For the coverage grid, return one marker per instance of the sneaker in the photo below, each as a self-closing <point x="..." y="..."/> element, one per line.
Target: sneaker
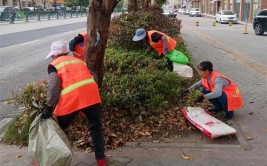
<point x="229" y="115"/>
<point x="214" y="110"/>
<point x="102" y="162"/>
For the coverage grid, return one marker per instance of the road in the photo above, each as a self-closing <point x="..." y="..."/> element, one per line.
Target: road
<point x="22" y="60"/>
<point x="26" y="36"/>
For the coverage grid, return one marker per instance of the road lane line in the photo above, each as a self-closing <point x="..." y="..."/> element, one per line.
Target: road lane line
<point x="28" y="42"/>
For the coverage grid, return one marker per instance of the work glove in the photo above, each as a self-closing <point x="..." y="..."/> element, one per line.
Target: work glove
<point x="166" y="51"/>
<point x="199" y="99"/>
<point x="47" y="112"/>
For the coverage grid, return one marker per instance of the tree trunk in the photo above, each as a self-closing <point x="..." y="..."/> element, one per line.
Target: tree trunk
<point x="98" y="21"/>
<point x="132" y="6"/>
<point x="145" y="4"/>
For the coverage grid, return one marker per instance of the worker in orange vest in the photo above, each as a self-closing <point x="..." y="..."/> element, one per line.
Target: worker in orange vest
<point x="218" y="90"/>
<point x="72" y="89"/>
<point x="159" y="41"/>
<point x="78" y="43"/>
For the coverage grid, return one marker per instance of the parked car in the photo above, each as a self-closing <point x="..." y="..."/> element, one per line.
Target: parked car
<point x="167" y="12"/>
<point x="5" y="12"/>
<point x="195" y="12"/>
<point x="226" y="16"/>
<point x="260" y="22"/>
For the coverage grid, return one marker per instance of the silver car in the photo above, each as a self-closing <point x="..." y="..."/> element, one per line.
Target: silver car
<point x="226" y="16"/>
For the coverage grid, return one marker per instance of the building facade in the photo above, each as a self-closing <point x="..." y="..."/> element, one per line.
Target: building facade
<point x="245" y="9"/>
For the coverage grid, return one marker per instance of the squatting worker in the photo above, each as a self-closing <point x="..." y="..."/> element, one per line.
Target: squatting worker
<point x="72" y="89"/>
<point x="156" y="40"/>
<point x="78" y="43"/>
<point x="218" y="89"/>
<point x="159" y="41"/>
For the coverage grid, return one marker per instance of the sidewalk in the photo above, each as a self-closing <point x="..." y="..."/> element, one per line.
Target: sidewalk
<point x="159" y="154"/>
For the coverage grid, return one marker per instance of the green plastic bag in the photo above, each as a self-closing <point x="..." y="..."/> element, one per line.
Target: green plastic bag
<point x="178" y="57"/>
<point x="48" y="144"/>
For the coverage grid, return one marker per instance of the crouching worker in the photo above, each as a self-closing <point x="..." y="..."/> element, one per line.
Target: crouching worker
<point x="78" y="43"/>
<point x="218" y="89"/>
<point x="72" y="89"/>
<point x="156" y="40"/>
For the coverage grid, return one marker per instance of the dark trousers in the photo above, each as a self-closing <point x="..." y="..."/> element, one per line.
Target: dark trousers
<point x="94" y="124"/>
<point x="220" y="103"/>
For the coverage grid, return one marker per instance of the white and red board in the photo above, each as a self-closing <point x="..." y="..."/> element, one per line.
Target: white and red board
<point x="208" y="124"/>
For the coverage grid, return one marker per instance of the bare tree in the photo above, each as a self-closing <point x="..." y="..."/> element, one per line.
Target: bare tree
<point x="98" y="22"/>
<point x="44" y="3"/>
<point x="132" y="6"/>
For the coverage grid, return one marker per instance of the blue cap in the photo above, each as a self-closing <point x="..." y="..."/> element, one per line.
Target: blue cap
<point x="139" y="34"/>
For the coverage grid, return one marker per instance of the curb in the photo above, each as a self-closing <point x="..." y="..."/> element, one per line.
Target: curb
<point x="180" y="145"/>
<point x="4" y="123"/>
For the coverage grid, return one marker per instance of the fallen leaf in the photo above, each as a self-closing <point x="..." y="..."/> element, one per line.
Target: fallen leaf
<point x="186" y="157"/>
<point x="88" y="150"/>
<point x="155" y="141"/>
<point x="148" y="133"/>
<point x="251" y="113"/>
<point x="19" y="156"/>
<point x="249" y="138"/>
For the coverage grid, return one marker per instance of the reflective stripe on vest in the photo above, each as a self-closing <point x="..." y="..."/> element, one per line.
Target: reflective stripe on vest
<point x="60" y="65"/>
<point x="76" y="85"/>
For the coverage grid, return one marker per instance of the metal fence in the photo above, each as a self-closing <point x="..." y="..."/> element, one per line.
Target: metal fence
<point x="38" y="16"/>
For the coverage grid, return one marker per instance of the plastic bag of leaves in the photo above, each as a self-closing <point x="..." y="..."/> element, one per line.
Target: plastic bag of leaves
<point x="48" y="144"/>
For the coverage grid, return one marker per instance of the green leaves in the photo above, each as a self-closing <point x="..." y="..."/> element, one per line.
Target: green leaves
<point x="135" y="82"/>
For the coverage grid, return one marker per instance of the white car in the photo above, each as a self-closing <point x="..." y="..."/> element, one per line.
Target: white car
<point x="166" y="12"/>
<point x="195" y="12"/>
<point x="226" y="16"/>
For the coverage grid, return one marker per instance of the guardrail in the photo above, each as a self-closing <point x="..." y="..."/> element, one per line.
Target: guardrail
<point x="38" y="16"/>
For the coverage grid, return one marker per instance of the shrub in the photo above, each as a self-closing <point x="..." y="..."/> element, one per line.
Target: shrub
<point x="31" y="99"/>
<point x="122" y="28"/>
<point x="137" y="83"/>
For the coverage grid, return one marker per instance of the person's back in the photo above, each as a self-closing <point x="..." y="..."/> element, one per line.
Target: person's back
<point x="76" y="83"/>
<point x="78" y="44"/>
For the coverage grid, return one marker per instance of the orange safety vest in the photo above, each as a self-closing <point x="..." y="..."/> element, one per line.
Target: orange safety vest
<point x="78" y="87"/>
<point x="79" y="50"/>
<point x="234" y="99"/>
<point x="159" y="45"/>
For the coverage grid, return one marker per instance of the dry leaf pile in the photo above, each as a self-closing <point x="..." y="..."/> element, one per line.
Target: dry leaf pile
<point x="118" y="129"/>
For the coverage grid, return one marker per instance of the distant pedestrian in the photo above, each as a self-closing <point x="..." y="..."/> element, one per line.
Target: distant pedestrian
<point x="72" y="89"/>
<point x="218" y="90"/>
<point x="12" y="18"/>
